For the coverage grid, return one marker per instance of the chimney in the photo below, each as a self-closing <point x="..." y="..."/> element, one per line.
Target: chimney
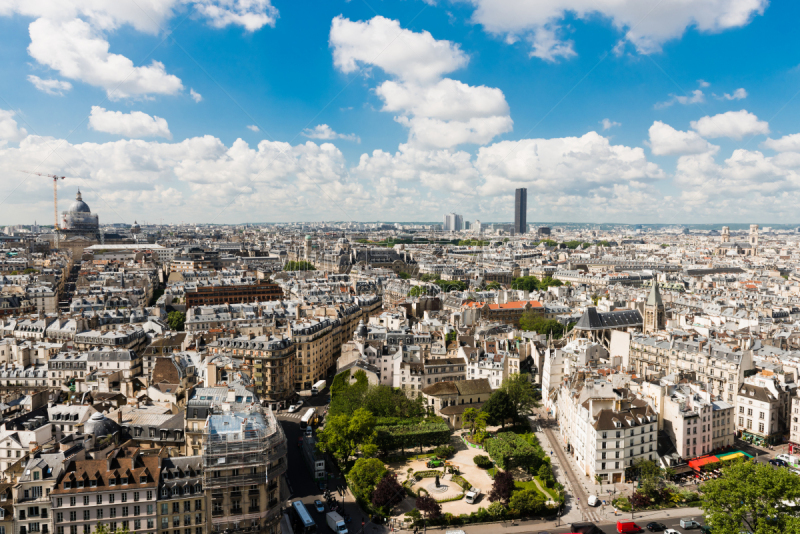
<point x="33" y="446"/>
<point x="119" y="416"/>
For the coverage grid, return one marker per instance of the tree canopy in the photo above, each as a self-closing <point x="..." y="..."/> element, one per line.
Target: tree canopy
<point x="176" y="320"/>
<point x="520" y="392"/>
<point x="365" y="476"/>
<point x="343" y="435"/>
<point x="752" y="496"/>
<point x="531" y="283"/>
<point x="533" y="322"/>
<point x="299" y="266"/>
<point x="502" y="487"/>
<point x="499" y="408"/>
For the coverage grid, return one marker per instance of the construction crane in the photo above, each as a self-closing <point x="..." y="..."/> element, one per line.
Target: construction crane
<point x="55" y="198"/>
<point x="55" y="192"/>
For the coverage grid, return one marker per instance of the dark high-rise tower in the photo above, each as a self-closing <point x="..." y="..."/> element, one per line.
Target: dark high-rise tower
<point x="521" y="211"/>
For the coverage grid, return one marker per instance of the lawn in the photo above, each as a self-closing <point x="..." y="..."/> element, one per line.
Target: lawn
<point x="549" y="493"/>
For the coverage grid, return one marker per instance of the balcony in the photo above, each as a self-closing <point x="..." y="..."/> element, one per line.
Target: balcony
<point x="217" y="513"/>
<point x="254" y="509"/>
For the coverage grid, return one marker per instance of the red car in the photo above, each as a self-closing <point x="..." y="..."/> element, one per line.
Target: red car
<point x="626" y="527"/>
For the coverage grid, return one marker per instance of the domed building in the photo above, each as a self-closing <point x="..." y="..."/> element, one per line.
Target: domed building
<point x="100" y="426"/>
<point x="79" y="220"/>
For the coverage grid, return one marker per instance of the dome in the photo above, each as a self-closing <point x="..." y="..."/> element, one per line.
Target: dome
<point x="100" y="426"/>
<point x="79" y="206"/>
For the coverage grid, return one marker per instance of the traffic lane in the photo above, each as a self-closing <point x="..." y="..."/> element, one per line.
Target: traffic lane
<point x="611" y="528"/>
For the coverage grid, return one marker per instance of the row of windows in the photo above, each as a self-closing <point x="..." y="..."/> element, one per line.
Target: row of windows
<point x="100" y="513"/>
<point x="73" y="501"/>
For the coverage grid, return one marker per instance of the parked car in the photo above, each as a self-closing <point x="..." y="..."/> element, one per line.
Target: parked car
<point x="689" y="523"/>
<point x="778" y="462"/>
<point x="671" y="531"/>
<point x="628" y="527"/>
<point x="435" y="463"/>
<point x="294" y="407"/>
<point x="654" y="526"/>
<point x="319" y="506"/>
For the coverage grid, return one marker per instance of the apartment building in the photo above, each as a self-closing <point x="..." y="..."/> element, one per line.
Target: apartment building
<point x="244" y="458"/>
<point x="721" y="366"/>
<point x="687" y="421"/>
<point x="118" y="490"/>
<point x="315" y="350"/>
<point x="181" y="507"/>
<point x="759" y="405"/>
<point x="794" y="426"/>
<point x="488" y="365"/>
<point x="271" y="359"/>
<point x="32" y="505"/>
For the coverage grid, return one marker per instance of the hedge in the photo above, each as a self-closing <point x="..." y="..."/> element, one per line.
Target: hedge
<point x="482" y="461"/>
<point x="512" y="450"/>
<point x="461" y="481"/>
<point x="431" y="432"/>
<point x="450" y="499"/>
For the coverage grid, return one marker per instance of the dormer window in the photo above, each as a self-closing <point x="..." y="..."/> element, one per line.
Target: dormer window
<point x="143" y="480"/>
<point x="67" y="485"/>
<point x="164" y="492"/>
<point x="112" y="481"/>
<point x="80" y="483"/>
<point x="93" y="483"/>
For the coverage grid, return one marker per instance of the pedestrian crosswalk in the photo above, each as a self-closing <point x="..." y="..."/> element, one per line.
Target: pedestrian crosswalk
<point x="286" y="415"/>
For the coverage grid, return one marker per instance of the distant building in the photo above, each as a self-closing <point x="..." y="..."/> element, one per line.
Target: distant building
<point x="233" y="294"/>
<point x="543" y="231"/>
<point x="453" y="222"/>
<point x="521" y="211"/>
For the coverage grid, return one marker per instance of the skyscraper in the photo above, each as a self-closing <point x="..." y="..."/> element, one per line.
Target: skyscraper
<point x="453" y="222"/>
<point x="521" y="211"/>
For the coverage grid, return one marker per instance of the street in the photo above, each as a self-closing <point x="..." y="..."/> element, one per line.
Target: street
<point x="301" y="483"/>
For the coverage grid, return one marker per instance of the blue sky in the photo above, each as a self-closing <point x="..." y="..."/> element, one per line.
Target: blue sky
<point x="256" y="110"/>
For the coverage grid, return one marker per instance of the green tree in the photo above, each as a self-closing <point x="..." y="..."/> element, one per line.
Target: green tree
<point x="343" y="436"/>
<point x="751" y="496"/>
<point x="469" y="418"/>
<point x="176" y="320"/>
<point x="299" y="266"/>
<point x="493" y="286"/>
<point x="496" y="509"/>
<point x="520" y="392"/>
<point x="527" y="502"/>
<point x="346" y="398"/>
<point x="525" y="283"/>
<point x="651" y="477"/>
<point x="499" y="408"/>
<point x="404" y="275"/>
<point x="364" y="476"/>
<point x="533" y="322"/>
<point x="481" y="420"/>
<point x="502" y="487"/>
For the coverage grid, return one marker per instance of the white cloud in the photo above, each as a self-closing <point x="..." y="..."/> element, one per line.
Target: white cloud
<point x="438" y="112"/>
<point x="50" y="86"/>
<point x="150" y="17"/>
<point x="251" y="15"/>
<point x="192" y="180"/>
<point x="733" y="124"/>
<point x="448" y="99"/>
<point x="253" y="128"/>
<point x="667" y="141"/>
<point x="134" y="124"/>
<point x="9" y="131"/>
<point x="78" y="52"/>
<point x="382" y="43"/>
<point x="571" y="164"/>
<point x="703" y="83"/>
<point x="787" y="143"/>
<point x="70" y="36"/>
<point x="738" y="94"/>
<point x="437" y="133"/>
<point x="695" y="97"/>
<point x="648" y="25"/>
<point x="547" y="46"/>
<point x="608" y="124"/>
<point x="197" y="97"/>
<point x="325" y="132"/>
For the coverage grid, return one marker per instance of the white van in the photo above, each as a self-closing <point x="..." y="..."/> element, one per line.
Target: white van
<point x="689" y="523"/>
<point x="593" y="500"/>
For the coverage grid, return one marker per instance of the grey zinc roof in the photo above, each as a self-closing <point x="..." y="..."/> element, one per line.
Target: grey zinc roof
<point x="594" y="320"/>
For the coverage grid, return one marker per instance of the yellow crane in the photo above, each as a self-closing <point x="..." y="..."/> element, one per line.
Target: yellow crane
<point x="55" y="178"/>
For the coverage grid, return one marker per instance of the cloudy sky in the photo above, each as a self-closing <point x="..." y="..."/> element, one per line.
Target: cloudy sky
<point x="651" y="111"/>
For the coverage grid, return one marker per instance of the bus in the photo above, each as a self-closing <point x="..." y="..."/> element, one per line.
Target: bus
<point x="306" y="420"/>
<point x="302" y="522"/>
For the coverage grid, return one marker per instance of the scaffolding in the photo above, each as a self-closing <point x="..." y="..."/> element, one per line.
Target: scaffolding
<point x="238" y="447"/>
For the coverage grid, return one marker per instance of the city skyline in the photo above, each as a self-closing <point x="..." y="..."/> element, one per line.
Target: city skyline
<point x="419" y="109"/>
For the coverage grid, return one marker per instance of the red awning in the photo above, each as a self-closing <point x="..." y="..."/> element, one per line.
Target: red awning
<point x="699" y="462"/>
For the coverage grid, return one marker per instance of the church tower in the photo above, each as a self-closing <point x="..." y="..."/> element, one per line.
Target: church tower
<point x="754" y="239"/>
<point x="726" y="234"/>
<point x="654" y="314"/>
